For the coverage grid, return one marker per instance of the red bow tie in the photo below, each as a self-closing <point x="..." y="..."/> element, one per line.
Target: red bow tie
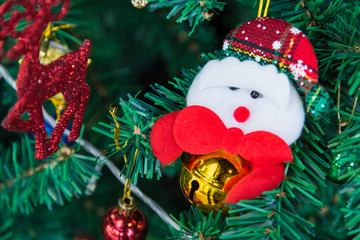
<point x="198" y="130"/>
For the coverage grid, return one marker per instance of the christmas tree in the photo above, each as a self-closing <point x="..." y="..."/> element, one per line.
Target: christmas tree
<point x="137" y="49"/>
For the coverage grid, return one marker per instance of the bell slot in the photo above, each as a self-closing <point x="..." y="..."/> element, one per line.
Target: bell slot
<point x="194" y="187"/>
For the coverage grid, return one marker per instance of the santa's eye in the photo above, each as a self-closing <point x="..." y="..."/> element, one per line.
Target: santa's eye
<point x="255" y="94"/>
<point x="233" y="88"/>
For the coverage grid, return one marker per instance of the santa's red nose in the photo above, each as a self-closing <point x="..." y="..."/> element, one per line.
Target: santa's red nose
<point x="241" y="114"/>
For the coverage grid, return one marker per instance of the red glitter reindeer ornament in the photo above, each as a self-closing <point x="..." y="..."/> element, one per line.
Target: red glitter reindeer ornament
<point x="37" y="82"/>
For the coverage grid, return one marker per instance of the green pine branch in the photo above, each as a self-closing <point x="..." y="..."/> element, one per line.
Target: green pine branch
<point x="197" y="225"/>
<point x="276" y="215"/>
<point x="133" y="144"/>
<point x="26" y="183"/>
<point x="299" y="187"/>
<point x="56" y="224"/>
<point x="192" y="11"/>
<point x="137" y="113"/>
<point x="351" y="210"/>
<point x="331" y="25"/>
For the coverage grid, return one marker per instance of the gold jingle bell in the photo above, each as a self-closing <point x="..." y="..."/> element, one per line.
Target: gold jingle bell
<point x="139" y="3"/>
<point x="50" y="51"/>
<point x="206" y="179"/>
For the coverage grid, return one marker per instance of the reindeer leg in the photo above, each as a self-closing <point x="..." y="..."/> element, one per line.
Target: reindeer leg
<point x="41" y="140"/>
<point x="41" y="144"/>
<point x="262" y="178"/>
<point x="79" y="114"/>
<point x="60" y="127"/>
<point x="13" y="122"/>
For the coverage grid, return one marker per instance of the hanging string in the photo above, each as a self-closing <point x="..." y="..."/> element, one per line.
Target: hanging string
<point x="266" y="8"/>
<point x="127" y="185"/>
<point x="49" y="29"/>
<point x="341" y="122"/>
<point x="260" y="8"/>
<point x="113" y="112"/>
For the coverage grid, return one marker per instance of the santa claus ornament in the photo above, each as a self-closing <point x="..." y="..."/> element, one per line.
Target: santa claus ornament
<point x="243" y="112"/>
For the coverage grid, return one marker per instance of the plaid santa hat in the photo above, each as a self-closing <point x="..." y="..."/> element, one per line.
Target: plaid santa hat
<point x="274" y="41"/>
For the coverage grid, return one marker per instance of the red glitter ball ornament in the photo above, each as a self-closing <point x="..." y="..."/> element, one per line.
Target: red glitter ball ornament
<point x="117" y="226"/>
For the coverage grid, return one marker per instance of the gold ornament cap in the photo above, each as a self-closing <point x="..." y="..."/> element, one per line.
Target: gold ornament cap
<point x="126" y="205"/>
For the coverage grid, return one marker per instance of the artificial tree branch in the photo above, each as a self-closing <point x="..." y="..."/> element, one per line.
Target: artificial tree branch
<point x="102" y="160"/>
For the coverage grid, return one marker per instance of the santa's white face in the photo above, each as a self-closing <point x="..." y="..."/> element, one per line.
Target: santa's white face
<point x="249" y="96"/>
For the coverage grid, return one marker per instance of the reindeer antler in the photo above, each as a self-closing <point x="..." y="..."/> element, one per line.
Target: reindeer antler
<point x="39" y="12"/>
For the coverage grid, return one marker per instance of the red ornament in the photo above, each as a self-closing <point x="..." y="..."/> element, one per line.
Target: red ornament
<point x="36" y="11"/>
<point x="117" y="226"/>
<point x="36" y="83"/>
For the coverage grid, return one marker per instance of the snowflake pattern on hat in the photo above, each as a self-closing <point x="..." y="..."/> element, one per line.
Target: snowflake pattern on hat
<point x="276" y="45"/>
<point x="298" y="70"/>
<point x="273" y="41"/>
<point x="294" y="30"/>
<point x="225" y="45"/>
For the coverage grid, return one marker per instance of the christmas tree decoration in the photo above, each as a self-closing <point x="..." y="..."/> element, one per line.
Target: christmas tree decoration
<point x="205" y="11"/>
<point x="116" y="129"/>
<point x="343" y="123"/>
<point x="276" y="42"/>
<point x="124" y="222"/>
<point x="245" y="104"/>
<point x="39" y="12"/>
<point x="206" y="179"/>
<point x="340" y="169"/>
<point x="50" y="51"/>
<point x="270" y="140"/>
<point x="139" y="3"/>
<point x="338" y="173"/>
<point x="59" y="103"/>
<point x="193" y="11"/>
<point x="38" y="82"/>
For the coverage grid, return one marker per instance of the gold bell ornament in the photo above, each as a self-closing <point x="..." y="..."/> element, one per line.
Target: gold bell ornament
<point x="139" y="3"/>
<point x="206" y="179"/>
